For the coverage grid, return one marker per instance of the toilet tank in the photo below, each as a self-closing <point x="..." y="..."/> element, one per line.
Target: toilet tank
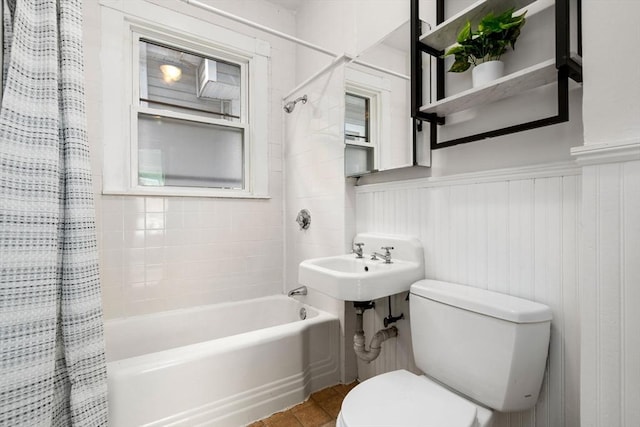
<point x="488" y="346"/>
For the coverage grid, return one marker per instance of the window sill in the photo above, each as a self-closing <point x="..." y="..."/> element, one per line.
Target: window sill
<point x="186" y="192"/>
<point x="359" y="144"/>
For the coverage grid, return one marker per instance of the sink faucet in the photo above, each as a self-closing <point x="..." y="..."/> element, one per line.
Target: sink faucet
<point x="358" y="249"/>
<point x="386" y="256"/>
<point x="302" y="290"/>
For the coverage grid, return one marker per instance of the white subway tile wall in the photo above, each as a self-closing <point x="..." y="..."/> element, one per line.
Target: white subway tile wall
<point x="163" y="253"/>
<point x="159" y="253"/>
<point x="315" y="173"/>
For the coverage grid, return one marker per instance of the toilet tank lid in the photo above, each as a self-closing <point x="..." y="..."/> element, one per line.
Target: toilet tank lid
<point x="482" y="301"/>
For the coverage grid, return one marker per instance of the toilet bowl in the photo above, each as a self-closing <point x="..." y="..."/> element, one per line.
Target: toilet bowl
<point x="480" y="351"/>
<point x="400" y="398"/>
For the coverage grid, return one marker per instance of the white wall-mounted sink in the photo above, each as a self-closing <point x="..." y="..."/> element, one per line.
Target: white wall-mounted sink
<point x="348" y="278"/>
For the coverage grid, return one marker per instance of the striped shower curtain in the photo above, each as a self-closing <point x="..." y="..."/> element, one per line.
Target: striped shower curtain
<point x="52" y="364"/>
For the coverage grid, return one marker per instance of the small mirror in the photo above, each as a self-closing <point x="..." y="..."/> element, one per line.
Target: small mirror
<point x="378" y="124"/>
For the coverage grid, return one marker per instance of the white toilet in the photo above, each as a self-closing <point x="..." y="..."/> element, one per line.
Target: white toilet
<point x="480" y="351"/>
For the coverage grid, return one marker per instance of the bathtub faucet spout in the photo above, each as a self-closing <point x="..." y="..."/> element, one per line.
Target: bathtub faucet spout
<point x="302" y="290"/>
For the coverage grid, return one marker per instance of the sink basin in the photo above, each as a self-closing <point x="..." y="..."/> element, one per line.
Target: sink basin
<point x="348" y="278"/>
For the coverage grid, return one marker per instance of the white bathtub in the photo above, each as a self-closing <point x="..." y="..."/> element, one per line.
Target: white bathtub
<point x="218" y="365"/>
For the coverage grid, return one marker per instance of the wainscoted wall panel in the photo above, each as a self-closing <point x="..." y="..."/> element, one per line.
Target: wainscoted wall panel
<point x="610" y="294"/>
<point x="515" y="234"/>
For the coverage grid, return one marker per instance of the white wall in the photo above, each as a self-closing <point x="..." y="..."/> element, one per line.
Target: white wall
<point x="515" y="232"/>
<point x="314" y="173"/>
<point x="610" y="204"/>
<point x="314" y="159"/>
<point x="314" y="150"/>
<point x="159" y="253"/>
<point x="610" y="272"/>
<point x="612" y="92"/>
<point x="541" y="146"/>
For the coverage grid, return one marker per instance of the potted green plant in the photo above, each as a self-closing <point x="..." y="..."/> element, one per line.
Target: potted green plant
<point x="483" y="47"/>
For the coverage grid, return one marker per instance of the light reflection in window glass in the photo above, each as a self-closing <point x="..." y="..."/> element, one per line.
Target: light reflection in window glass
<point x="176" y="80"/>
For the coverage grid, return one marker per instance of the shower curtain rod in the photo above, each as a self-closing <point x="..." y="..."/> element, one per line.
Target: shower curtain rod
<point x="317" y="74"/>
<point x="337" y="57"/>
<point x="346" y="58"/>
<point x="384" y="70"/>
<point x="261" y="27"/>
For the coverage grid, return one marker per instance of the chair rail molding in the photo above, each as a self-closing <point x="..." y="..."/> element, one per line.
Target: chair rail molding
<point x="607" y="152"/>
<point x="567" y="168"/>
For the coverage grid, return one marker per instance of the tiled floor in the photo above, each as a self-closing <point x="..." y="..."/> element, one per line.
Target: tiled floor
<point x="320" y="410"/>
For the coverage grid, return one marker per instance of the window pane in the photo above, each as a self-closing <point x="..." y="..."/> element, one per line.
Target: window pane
<point x="357" y="160"/>
<point x="182" y="153"/>
<point x="356" y="124"/>
<point x="175" y="80"/>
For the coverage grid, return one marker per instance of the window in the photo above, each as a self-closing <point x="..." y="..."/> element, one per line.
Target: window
<point x="359" y="150"/>
<point x="356" y="123"/>
<point x="190" y="119"/>
<point x="195" y="128"/>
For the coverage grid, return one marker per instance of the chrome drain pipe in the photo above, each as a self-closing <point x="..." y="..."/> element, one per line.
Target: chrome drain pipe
<point x="379" y="337"/>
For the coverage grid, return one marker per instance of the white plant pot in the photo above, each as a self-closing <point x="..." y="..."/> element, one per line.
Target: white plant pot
<point x="487" y="72"/>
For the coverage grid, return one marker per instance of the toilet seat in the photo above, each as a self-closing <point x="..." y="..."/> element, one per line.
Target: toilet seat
<point x="400" y="398"/>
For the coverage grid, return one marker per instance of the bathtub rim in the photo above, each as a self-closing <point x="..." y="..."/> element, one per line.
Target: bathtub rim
<point x="178" y="355"/>
<point x="204" y="307"/>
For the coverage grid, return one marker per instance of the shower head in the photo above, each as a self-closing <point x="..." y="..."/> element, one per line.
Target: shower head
<point x="289" y="106"/>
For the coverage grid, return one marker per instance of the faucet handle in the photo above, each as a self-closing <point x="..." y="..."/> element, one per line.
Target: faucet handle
<point x="387" y="249"/>
<point x="358" y="249"/>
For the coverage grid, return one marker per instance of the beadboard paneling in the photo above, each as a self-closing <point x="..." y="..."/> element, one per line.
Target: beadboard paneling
<point x="610" y="295"/>
<point x="512" y="235"/>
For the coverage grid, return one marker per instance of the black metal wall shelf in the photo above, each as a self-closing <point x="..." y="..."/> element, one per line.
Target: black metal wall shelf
<point x="445" y="33"/>
<point x="557" y="70"/>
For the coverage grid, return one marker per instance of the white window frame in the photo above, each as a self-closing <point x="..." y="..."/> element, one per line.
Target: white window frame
<point x="130" y="21"/>
<point x="377" y="89"/>
<point x="372" y="108"/>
